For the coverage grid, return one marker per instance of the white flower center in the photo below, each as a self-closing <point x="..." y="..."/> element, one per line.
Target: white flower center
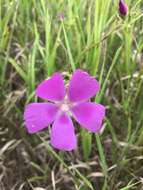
<point x="65" y="107"/>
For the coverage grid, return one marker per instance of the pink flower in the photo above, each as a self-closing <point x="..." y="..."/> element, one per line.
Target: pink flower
<point x="64" y="103"/>
<point x="123" y="8"/>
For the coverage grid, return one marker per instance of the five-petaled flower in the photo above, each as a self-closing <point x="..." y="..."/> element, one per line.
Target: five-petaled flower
<point x="123" y="8"/>
<point x="65" y="102"/>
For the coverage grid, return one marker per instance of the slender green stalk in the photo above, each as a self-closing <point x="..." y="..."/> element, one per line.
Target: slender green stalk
<point x="68" y="49"/>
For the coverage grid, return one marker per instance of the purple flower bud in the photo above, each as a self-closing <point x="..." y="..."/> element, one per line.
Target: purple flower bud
<point x="123" y="8"/>
<point x="61" y="16"/>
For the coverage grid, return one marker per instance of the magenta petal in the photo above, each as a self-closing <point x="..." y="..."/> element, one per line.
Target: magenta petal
<point x="52" y="89"/>
<point x="89" y="115"/>
<point x="82" y="86"/>
<point x="62" y="134"/>
<point x="37" y="116"/>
